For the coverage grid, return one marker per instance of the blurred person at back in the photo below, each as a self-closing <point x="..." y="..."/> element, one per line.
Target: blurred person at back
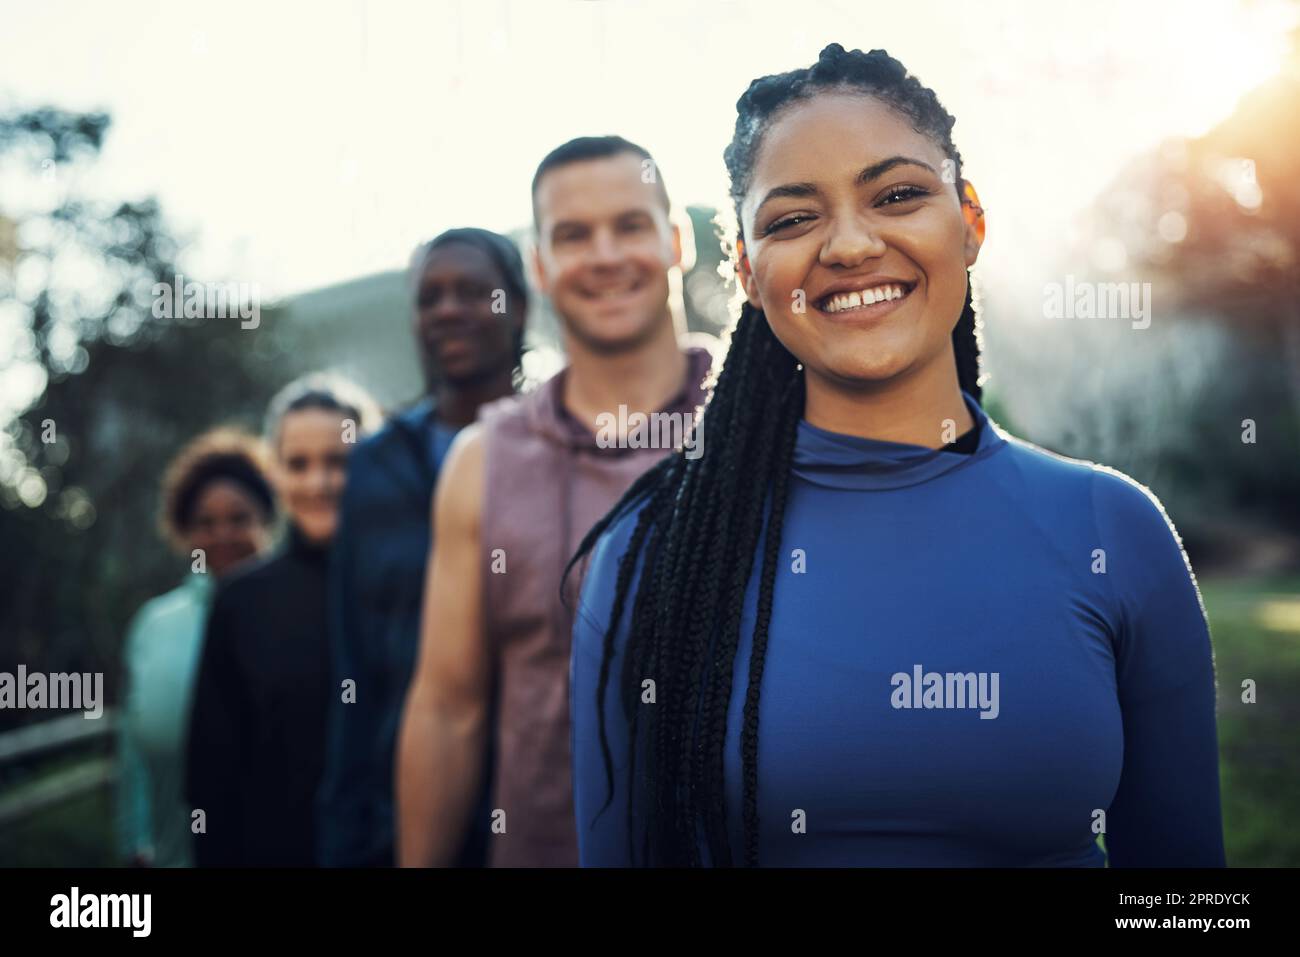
<point x="470" y="303"/>
<point x="217" y="510"/>
<point x="257" y="735"/>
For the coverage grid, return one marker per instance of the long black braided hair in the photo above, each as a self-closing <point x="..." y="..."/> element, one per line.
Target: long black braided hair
<point x="703" y="519"/>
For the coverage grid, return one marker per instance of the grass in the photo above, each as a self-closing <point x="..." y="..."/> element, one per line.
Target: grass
<point x="75" y="833"/>
<point x="1255" y="626"/>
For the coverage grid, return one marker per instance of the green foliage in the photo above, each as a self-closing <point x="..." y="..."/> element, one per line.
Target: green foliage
<point x="123" y="390"/>
<point x="1258" y="759"/>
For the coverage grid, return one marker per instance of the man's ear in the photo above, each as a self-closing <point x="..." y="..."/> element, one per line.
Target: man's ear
<point x="539" y="271"/>
<point x="745" y="275"/>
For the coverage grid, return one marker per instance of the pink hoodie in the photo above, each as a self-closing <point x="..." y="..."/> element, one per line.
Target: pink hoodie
<point x="548" y="481"/>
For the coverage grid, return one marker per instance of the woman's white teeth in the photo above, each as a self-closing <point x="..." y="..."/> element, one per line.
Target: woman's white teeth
<point x="867" y="297"/>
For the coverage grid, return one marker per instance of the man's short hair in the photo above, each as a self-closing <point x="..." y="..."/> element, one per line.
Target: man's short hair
<point x="589" y="148"/>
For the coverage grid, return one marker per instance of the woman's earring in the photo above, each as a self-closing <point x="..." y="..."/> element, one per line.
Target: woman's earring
<point x="972" y="210"/>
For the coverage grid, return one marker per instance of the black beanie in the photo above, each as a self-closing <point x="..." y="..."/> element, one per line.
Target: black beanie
<point x="501" y="250"/>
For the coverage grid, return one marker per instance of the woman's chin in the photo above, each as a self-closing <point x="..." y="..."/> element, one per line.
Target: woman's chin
<point x="316" y="532"/>
<point x="857" y="372"/>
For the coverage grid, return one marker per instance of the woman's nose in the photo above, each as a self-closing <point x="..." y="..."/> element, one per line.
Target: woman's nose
<point x="850" y="242"/>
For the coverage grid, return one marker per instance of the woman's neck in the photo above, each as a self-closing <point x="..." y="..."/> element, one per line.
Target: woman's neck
<point x="303" y="544"/>
<point x="922" y="407"/>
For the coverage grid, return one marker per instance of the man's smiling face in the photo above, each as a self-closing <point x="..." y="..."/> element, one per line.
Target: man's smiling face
<point x="604" y="249"/>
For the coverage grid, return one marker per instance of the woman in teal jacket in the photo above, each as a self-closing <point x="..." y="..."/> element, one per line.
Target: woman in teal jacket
<point x="217" y="509"/>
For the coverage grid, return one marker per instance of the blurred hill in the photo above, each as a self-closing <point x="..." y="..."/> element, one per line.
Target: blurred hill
<point x="360" y="328"/>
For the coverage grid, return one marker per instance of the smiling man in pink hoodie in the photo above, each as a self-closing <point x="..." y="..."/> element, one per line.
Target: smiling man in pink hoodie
<point x="519" y="491"/>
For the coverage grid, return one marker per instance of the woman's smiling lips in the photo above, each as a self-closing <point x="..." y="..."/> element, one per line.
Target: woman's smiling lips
<point x="870" y="301"/>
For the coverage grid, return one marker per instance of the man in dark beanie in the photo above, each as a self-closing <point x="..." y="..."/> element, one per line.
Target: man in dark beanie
<point x="470" y="302"/>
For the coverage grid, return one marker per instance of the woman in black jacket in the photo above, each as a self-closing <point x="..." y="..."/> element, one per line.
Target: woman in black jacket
<point x="257" y="731"/>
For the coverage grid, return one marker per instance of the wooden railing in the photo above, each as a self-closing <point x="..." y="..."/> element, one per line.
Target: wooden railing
<point x="37" y="743"/>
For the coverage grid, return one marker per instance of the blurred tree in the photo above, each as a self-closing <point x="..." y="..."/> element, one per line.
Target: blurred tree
<point x="1223" y="239"/>
<point x="1234" y="240"/>
<point x="1213" y="224"/>
<point x="96" y="395"/>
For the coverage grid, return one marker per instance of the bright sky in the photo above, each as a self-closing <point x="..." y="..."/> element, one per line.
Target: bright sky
<point x="302" y="144"/>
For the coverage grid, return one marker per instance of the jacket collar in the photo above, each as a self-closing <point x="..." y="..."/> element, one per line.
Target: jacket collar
<point x="834" y="460"/>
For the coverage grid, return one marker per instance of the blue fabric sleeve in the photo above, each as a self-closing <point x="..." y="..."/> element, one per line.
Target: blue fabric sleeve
<point x="602" y="834"/>
<point x="345" y="810"/>
<point x="1166" y="811"/>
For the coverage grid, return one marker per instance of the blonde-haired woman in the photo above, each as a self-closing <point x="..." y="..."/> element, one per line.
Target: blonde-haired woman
<point x="257" y="736"/>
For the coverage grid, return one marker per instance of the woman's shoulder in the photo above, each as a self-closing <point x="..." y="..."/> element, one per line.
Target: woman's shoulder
<point x="181" y="603"/>
<point x="1113" y="495"/>
<point x="614" y="539"/>
<point x="164" y="620"/>
<point x="600" y="582"/>
<point x="1143" y="549"/>
<point x="252" y="578"/>
<point x="1129" y="532"/>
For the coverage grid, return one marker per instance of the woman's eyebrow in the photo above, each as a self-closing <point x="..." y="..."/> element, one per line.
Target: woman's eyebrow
<point x="792" y="190"/>
<point x="874" y="171"/>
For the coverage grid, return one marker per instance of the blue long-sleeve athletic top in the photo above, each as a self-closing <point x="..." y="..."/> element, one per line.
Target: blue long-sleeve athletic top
<point x="974" y="660"/>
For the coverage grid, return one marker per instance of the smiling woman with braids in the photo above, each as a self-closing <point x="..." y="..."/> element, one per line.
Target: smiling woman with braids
<point x="868" y="627"/>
